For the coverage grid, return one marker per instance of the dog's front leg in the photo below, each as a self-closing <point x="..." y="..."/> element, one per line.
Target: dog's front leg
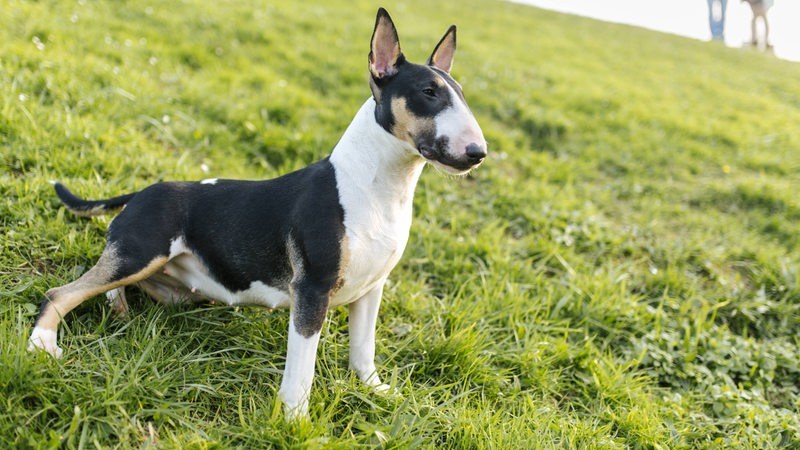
<point x="363" y="318"/>
<point x="306" y="317"/>
<point x="298" y="374"/>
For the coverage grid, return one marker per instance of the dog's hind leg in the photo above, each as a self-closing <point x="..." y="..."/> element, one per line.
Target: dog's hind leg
<point x="109" y="273"/>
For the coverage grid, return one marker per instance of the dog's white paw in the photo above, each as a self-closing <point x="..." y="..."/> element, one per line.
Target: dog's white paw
<point x="374" y="384"/>
<point x="295" y="404"/>
<point x="386" y="391"/>
<point x="44" y="339"/>
<point x="381" y="388"/>
<point x="295" y="413"/>
<point x="371" y="379"/>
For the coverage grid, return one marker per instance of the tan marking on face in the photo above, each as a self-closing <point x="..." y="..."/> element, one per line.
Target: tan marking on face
<point x="408" y="126"/>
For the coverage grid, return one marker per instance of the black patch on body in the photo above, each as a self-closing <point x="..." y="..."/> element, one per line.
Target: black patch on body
<point x="241" y="231"/>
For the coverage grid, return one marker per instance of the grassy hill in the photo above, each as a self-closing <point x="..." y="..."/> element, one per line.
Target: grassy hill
<point x="621" y="273"/>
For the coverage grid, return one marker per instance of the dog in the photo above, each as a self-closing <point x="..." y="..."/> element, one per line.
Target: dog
<point x="323" y="236"/>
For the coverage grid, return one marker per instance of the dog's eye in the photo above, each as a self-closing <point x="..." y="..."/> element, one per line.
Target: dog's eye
<point x="429" y="92"/>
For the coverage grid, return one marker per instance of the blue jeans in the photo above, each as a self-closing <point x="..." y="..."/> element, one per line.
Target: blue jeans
<point x="716" y="18"/>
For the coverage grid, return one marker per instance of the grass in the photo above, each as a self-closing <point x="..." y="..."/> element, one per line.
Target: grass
<point x="621" y="273"/>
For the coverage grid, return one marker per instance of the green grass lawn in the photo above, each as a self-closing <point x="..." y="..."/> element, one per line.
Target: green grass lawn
<point x="622" y="272"/>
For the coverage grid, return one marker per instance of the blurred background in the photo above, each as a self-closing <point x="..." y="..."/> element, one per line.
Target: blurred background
<point x="690" y="18"/>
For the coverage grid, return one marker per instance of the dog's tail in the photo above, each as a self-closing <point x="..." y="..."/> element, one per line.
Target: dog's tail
<point x="88" y="208"/>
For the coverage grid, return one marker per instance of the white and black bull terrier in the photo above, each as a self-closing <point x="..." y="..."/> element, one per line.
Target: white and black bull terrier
<point x="323" y="236"/>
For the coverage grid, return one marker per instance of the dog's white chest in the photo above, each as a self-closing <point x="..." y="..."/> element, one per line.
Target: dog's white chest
<point x="375" y="180"/>
<point x="377" y="224"/>
<point x="373" y="250"/>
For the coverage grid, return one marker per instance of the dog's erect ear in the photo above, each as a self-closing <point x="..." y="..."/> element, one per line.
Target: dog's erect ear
<point x="445" y="51"/>
<point x="384" y="52"/>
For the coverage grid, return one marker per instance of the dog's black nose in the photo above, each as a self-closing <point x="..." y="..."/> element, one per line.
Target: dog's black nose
<point x="476" y="152"/>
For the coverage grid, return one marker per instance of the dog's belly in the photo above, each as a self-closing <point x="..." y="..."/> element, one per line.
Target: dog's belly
<point x="187" y="269"/>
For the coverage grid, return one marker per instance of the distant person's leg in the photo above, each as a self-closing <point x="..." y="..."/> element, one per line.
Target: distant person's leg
<point x="716" y="19"/>
<point x="758" y="13"/>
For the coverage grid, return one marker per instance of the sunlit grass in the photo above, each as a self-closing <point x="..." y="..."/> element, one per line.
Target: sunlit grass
<point x="621" y="273"/>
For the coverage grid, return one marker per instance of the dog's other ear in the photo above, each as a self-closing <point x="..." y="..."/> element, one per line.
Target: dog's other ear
<point x="384" y="55"/>
<point x="445" y="51"/>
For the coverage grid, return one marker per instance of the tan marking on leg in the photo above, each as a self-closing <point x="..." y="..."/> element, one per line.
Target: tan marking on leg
<point x="94" y="282"/>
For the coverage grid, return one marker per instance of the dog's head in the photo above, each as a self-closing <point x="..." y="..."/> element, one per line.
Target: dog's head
<point x="421" y="104"/>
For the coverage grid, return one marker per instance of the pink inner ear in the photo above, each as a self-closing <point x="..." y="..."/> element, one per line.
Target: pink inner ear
<point x="444" y="53"/>
<point x="380" y="69"/>
<point x="385" y="51"/>
<point x="444" y="58"/>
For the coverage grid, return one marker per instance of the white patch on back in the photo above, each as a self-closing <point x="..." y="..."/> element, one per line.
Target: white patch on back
<point x="209" y="181"/>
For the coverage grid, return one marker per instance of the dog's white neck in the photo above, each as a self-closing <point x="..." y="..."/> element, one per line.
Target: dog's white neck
<point x="372" y="164"/>
<point x="376" y="175"/>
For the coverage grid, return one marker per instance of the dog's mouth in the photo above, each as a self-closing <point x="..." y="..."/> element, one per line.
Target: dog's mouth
<point x="436" y="153"/>
<point x="428" y="152"/>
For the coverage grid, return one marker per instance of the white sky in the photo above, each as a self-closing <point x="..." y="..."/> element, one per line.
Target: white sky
<point x="690" y="18"/>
